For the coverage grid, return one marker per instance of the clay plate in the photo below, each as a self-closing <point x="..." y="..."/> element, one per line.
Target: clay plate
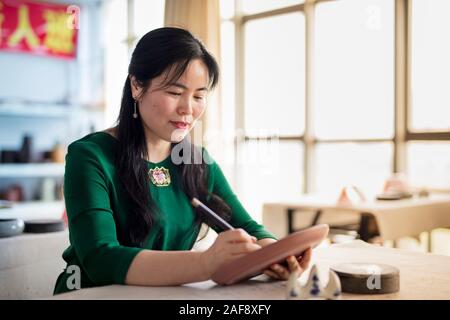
<point x="256" y="262"/>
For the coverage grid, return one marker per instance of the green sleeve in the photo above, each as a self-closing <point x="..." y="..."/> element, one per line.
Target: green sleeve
<point x="239" y="216"/>
<point x="91" y="223"/>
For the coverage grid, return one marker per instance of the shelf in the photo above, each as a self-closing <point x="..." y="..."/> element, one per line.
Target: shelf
<point x="31" y="170"/>
<point x="33" y="210"/>
<point x="21" y="110"/>
<point x="42" y="110"/>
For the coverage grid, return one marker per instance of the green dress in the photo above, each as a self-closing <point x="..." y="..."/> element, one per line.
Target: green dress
<point x="97" y="203"/>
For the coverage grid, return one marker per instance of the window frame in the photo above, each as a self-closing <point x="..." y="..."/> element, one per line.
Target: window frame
<point x="402" y="90"/>
<point x="414" y="135"/>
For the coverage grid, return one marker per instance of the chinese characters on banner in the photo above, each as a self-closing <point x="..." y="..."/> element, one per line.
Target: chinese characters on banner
<point x="38" y="28"/>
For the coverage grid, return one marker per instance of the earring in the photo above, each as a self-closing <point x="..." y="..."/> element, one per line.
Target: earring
<point x="135" y="110"/>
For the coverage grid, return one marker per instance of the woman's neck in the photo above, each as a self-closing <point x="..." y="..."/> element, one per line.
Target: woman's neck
<point x="158" y="149"/>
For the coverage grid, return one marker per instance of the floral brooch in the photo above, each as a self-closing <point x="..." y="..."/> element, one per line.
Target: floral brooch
<point x="159" y="176"/>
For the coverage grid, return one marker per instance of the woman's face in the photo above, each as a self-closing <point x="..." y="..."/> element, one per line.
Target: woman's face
<point x="170" y="113"/>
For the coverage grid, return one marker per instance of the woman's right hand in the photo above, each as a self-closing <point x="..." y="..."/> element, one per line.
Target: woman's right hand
<point x="228" y="246"/>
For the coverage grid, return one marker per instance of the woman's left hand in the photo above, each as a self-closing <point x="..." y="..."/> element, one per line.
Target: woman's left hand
<point x="280" y="272"/>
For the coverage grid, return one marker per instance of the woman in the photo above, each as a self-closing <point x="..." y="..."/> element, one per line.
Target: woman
<point x="127" y="194"/>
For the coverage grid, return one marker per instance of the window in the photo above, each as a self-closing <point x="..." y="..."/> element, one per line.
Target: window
<point x="227" y="77"/>
<point x="227" y="86"/>
<point x="255" y="6"/>
<point x="272" y="106"/>
<point x="146" y="16"/>
<point x="430" y="67"/>
<point x="353" y="95"/>
<point x="227" y="9"/>
<point x="351" y="136"/>
<point x="428" y="123"/>
<point x="274" y="75"/>
<point x="429" y="164"/>
<point x="354" y="69"/>
<point x="116" y="57"/>
<point x="365" y="165"/>
<point x="271" y="171"/>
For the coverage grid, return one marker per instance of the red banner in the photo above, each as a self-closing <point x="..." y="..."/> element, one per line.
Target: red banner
<point x="39" y="28"/>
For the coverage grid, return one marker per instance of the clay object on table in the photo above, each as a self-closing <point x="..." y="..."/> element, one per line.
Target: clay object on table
<point x="256" y="262"/>
<point x="314" y="288"/>
<point x="10" y="156"/>
<point x="11" y="227"/>
<point x="43" y="226"/>
<point x="26" y="150"/>
<point x="13" y="193"/>
<point x="351" y="195"/>
<point x="394" y="195"/>
<point x="58" y="153"/>
<point x="368" y="278"/>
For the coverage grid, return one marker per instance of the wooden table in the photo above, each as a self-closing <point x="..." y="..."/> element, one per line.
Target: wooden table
<point x="422" y="276"/>
<point x="395" y="218"/>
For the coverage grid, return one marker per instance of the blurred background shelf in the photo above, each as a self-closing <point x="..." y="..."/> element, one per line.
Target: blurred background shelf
<point x="31" y="170"/>
<point x="34" y="210"/>
<point x="25" y="110"/>
<point x="44" y="110"/>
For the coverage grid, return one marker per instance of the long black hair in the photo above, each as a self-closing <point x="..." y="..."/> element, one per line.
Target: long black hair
<point x="161" y="50"/>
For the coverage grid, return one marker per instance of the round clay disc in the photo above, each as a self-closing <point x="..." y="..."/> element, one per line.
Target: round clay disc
<point x="368" y="278"/>
<point x="43" y="226"/>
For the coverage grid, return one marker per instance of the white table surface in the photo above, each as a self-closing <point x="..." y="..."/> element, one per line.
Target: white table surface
<point x="395" y="219"/>
<point x="422" y="276"/>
